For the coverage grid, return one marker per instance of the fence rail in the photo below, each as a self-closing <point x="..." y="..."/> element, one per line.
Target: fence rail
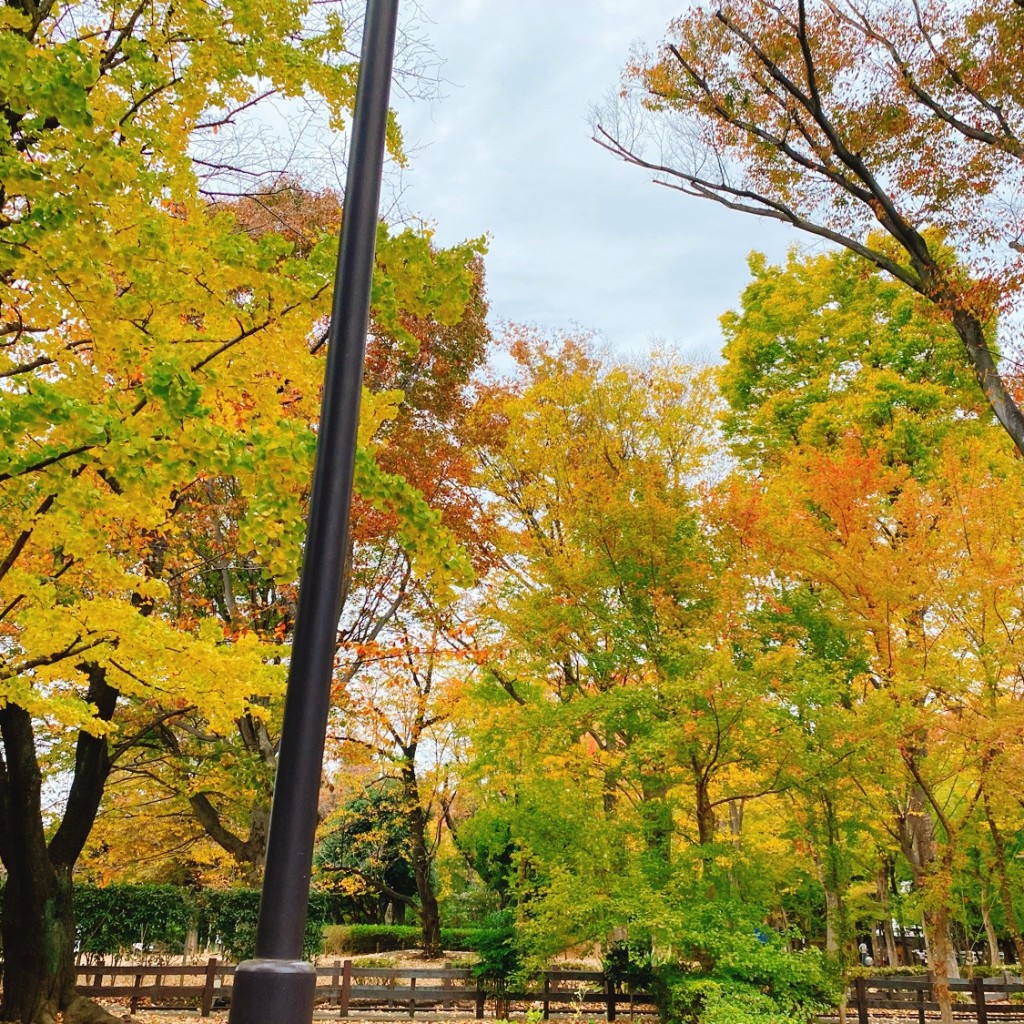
<point x="351" y="988"/>
<point x="982" y="1000"/>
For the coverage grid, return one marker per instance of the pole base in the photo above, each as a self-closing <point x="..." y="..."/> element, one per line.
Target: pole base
<point x="273" y="992"/>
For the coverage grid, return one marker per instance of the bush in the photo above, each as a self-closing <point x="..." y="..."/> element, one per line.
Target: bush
<point x="370" y="938"/>
<point x="992" y="971"/>
<point x="756" y="983"/>
<point x="629" y="964"/>
<point x="708" y="1000"/>
<point x="906" y="971"/>
<point x="227" y="918"/>
<point x="111" y="919"/>
<point x="501" y="961"/>
<point x="358" y="939"/>
<point x="463" y="939"/>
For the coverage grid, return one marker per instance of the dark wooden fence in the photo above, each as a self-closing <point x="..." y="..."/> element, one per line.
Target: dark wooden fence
<point x="350" y="988"/>
<point x="982" y="1000"/>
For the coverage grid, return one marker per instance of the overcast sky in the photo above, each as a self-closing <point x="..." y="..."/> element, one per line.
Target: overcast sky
<point x="578" y="239"/>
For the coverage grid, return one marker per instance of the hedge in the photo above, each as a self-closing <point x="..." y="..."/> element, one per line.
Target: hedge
<point x="372" y="938"/>
<point x="114" y="918"/>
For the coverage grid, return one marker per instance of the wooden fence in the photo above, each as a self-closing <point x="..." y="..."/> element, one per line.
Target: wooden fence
<point x="350" y="989"/>
<point x="982" y="1000"/>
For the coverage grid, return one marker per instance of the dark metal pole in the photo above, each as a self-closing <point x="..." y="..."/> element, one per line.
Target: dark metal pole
<point x="277" y="987"/>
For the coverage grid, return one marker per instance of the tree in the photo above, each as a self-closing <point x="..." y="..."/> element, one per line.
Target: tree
<point x="366" y="851"/>
<point x="928" y="574"/>
<point x="859" y="424"/>
<point x="623" y="720"/>
<point x="398" y="710"/>
<point x="825" y="345"/>
<point x="840" y="116"/>
<point x="150" y="346"/>
<point x="223" y="783"/>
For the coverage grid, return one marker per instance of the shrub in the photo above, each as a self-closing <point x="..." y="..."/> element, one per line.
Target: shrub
<point x="501" y="961"/>
<point x="755" y="983"/>
<point x="629" y="964"/>
<point x="992" y="971"/>
<point x="386" y="938"/>
<point x="906" y="971"/>
<point x="463" y="939"/>
<point x="370" y="938"/>
<point x="114" y="918"/>
<point x="111" y="919"/>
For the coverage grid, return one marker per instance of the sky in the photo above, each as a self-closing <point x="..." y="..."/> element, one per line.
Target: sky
<point x="578" y="239"/>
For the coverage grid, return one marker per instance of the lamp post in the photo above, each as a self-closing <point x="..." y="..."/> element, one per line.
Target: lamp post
<point x="277" y="986"/>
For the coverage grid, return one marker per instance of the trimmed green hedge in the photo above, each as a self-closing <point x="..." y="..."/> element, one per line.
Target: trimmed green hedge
<point x="902" y="971"/>
<point x="372" y="938"/>
<point x="114" y="918"/>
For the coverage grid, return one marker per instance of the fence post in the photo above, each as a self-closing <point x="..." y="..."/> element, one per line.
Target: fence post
<point x="862" y="1000"/>
<point x="336" y="980"/>
<point x="97" y="979"/>
<point x="547" y="993"/>
<point x="346" y="989"/>
<point x="206" y="1004"/>
<point x="412" y="996"/>
<point x="979" y="1000"/>
<point x="479" y="1002"/>
<point x="133" y="1005"/>
<point x="920" y="1006"/>
<point x="609" y="987"/>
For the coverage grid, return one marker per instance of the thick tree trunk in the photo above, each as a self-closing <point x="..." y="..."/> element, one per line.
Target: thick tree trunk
<point x="39" y="931"/>
<point x="37" y="921"/>
<point x="39" y="967"/>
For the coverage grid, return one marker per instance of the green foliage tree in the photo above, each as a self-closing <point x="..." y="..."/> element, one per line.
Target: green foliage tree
<point x="366" y="852"/>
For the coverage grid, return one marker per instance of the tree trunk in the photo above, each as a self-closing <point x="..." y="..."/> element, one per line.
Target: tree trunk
<point x="37" y="919"/>
<point x="39" y="940"/>
<point x="1005" y="897"/>
<point x="430" y="919"/>
<point x="986" y="372"/>
<point x="941" y="959"/>
<point x="707" y="823"/>
<point x="917" y="840"/>
<point x="736" y="822"/>
<point x="882" y="887"/>
<point x="832" y="875"/>
<point x="656" y="825"/>
<point x="991" y="938"/>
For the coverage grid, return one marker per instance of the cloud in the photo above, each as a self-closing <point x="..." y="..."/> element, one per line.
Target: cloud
<point x="577" y="237"/>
